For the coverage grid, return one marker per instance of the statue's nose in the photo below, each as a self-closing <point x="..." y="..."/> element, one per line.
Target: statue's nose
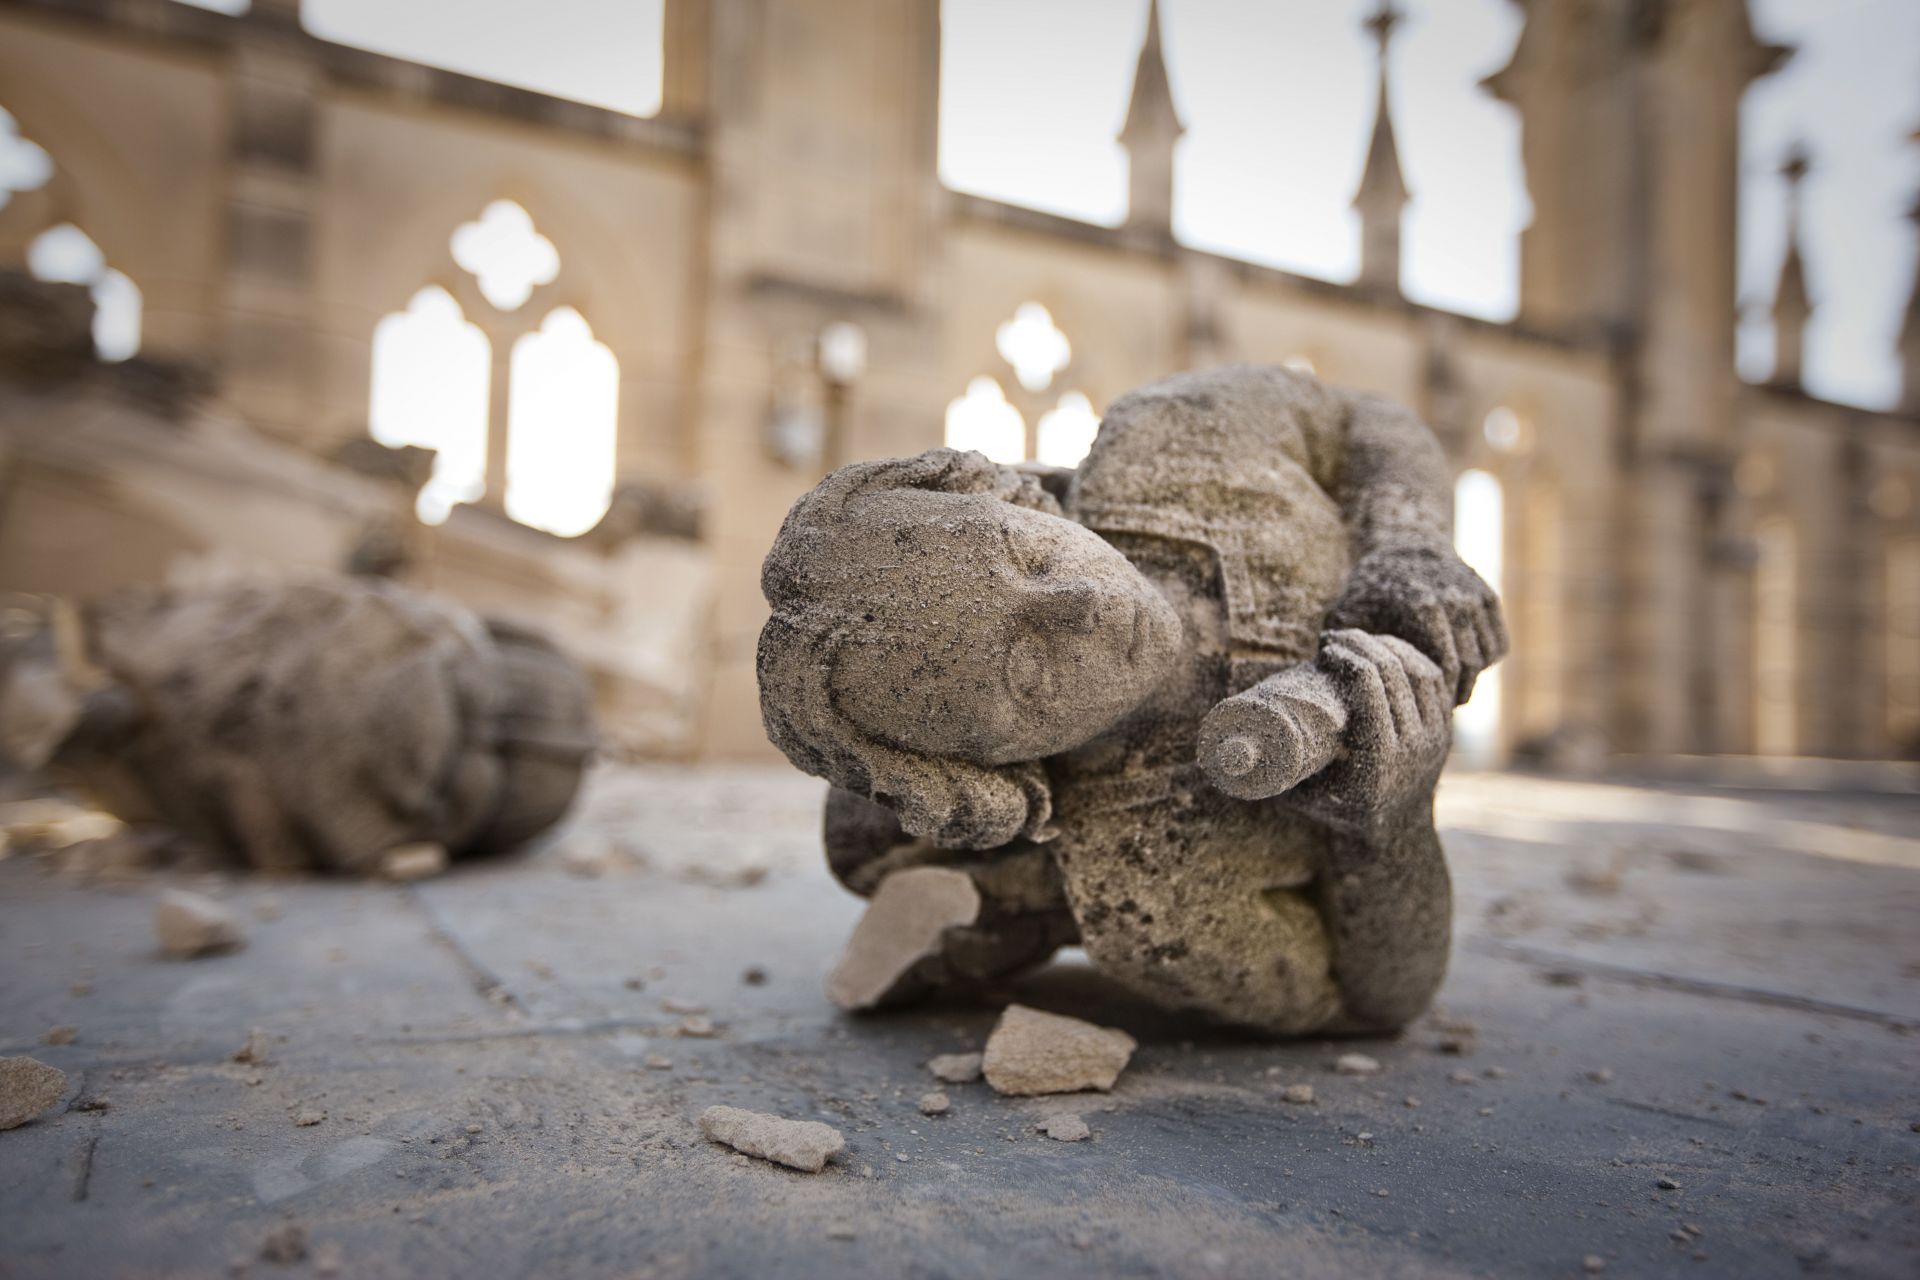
<point x="1065" y="606"/>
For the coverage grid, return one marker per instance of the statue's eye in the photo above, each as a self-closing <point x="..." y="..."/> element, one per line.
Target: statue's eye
<point x="1029" y="677"/>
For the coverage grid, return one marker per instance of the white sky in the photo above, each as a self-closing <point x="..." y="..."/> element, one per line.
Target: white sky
<point x="1277" y="98"/>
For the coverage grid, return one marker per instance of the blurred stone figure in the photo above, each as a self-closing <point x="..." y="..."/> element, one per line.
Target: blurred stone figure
<point x="1193" y="714"/>
<point x="314" y="724"/>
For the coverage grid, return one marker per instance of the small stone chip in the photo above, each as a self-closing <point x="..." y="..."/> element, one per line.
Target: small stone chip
<point x="956" y="1068"/>
<point x="1460" y="1077"/>
<point x="696" y="1028"/>
<point x="658" y="1062"/>
<point x="1031" y="1052"/>
<point x="414" y="861"/>
<point x="798" y="1144"/>
<point x="254" y="1051"/>
<point x="59" y="1035"/>
<point x="28" y="1087"/>
<point x="189" y="925"/>
<point x="1666" y="1184"/>
<point x="1065" y="1128"/>
<point x="307" y="1119"/>
<point x="1356" y="1064"/>
<point x="673" y="1004"/>
<point x="1298" y="1094"/>
<point x="1601" y="1075"/>
<point x="1593" y="1264"/>
<point x="284" y="1245"/>
<point x="934" y="1104"/>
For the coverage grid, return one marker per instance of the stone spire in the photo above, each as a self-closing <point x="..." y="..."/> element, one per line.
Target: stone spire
<point x="1383" y="191"/>
<point x="1149" y="134"/>
<point x="1910" y="328"/>
<point x="1791" y="305"/>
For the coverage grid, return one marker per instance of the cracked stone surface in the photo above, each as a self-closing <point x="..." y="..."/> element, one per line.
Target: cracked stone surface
<point x="1730" y="1009"/>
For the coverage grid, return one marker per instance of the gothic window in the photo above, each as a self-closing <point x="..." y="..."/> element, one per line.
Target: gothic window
<point x="67" y="255"/>
<point x="1775" y="647"/>
<point x="1479" y="535"/>
<point x="430" y="387"/>
<point x="1066" y="431"/>
<point x="24" y="164"/>
<point x="505" y="255"/>
<point x="561" y="417"/>
<point x="1033" y="345"/>
<point x="1503" y="430"/>
<point x="983" y="420"/>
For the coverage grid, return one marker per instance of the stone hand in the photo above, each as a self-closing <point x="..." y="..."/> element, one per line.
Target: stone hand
<point x="1399" y="726"/>
<point x="1428" y="597"/>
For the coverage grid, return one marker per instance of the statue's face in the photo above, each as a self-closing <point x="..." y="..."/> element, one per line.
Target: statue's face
<point x="993" y="633"/>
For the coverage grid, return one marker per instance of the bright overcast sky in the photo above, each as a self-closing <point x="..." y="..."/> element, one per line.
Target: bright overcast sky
<point x="1277" y="98"/>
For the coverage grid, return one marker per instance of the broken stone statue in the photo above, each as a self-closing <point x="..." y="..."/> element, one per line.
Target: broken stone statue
<point x="317" y="723"/>
<point x="1186" y="705"/>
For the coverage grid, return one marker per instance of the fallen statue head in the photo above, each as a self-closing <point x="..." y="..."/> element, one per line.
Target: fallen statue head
<point x="938" y="625"/>
<point x="312" y="724"/>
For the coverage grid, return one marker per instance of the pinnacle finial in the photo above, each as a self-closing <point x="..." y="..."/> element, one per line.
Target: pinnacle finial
<point x="1382" y="23"/>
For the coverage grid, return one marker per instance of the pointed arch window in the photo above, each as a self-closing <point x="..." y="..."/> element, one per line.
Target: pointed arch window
<point x="1066" y="431"/>
<point x="67" y="255"/>
<point x="562" y="415"/>
<point x="1479" y="535"/>
<point x="430" y="388"/>
<point x="984" y="421"/>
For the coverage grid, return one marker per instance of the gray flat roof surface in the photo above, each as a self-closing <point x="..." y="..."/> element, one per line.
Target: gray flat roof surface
<point x="1678" y="1038"/>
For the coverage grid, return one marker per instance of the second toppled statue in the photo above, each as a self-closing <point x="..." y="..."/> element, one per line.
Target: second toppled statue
<point x="1186" y="705"/>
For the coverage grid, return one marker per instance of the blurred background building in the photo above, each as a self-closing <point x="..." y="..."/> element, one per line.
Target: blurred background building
<point x="251" y="272"/>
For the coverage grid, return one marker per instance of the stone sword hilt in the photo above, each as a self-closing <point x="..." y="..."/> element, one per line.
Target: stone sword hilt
<point x="1274" y="736"/>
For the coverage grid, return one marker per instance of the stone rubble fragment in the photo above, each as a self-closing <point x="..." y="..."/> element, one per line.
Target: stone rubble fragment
<point x="414" y="861"/>
<point x="799" y="1144"/>
<point x="1066" y="1128"/>
<point x="285" y="1245"/>
<point x="1031" y="1052"/>
<point x="254" y="1051"/>
<point x="905" y="925"/>
<point x="955" y="1068"/>
<point x="60" y="1035"/>
<point x="1298" y="1094"/>
<point x="1356" y="1064"/>
<point x="934" y="1104"/>
<point x="27" y="1088"/>
<point x="189" y="925"/>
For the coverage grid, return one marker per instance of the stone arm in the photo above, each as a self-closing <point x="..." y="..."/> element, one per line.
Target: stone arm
<point x="1391" y="481"/>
